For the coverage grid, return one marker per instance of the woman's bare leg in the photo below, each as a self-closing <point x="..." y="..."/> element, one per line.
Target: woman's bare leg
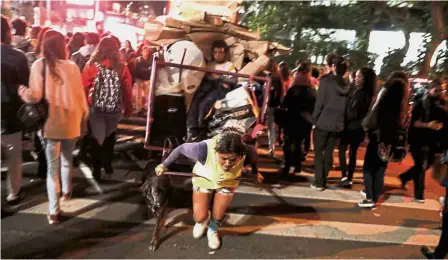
<point x="201" y="203"/>
<point x="220" y="205"/>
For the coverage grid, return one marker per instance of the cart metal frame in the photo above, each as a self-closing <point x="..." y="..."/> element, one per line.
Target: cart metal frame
<point x="156" y="63"/>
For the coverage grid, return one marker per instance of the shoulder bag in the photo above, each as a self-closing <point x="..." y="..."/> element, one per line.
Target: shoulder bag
<point x="34" y="116"/>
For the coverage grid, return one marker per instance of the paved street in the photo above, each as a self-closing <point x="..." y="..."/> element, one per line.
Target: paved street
<point x="274" y="220"/>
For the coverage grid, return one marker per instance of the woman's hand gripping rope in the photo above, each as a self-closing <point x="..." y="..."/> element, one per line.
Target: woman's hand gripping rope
<point x="161" y="169"/>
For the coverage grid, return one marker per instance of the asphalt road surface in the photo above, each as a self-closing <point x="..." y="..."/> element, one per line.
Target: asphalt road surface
<point x="278" y="219"/>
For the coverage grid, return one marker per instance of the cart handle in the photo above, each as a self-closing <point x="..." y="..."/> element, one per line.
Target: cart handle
<point x="187" y="174"/>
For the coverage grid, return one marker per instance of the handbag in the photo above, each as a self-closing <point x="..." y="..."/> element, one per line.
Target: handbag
<point x="387" y="153"/>
<point x="34" y="116"/>
<point x="396" y="152"/>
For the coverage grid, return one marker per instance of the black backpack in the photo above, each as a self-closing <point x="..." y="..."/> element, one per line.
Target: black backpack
<point x="107" y="92"/>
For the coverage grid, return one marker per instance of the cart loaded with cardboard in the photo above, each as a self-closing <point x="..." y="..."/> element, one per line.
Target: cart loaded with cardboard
<point x="184" y="45"/>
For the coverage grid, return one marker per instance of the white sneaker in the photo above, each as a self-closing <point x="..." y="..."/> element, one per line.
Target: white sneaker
<point x="199" y="229"/>
<point x="11" y="197"/>
<point x="15" y="198"/>
<point x="363" y="193"/>
<point x="214" y="242"/>
<point x="314" y="187"/>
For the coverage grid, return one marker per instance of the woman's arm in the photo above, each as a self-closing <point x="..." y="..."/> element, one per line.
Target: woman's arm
<point x="88" y="76"/>
<point x="320" y="101"/>
<point x="252" y="159"/>
<point x="126" y="87"/>
<point x="77" y="78"/>
<point x="34" y="93"/>
<point x="194" y="151"/>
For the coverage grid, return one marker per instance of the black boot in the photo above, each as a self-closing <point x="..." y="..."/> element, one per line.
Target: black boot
<point x="108" y="153"/>
<point x="83" y="151"/>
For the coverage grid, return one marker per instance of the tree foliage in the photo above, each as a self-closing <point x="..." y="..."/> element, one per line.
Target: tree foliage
<point x="299" y="25"/>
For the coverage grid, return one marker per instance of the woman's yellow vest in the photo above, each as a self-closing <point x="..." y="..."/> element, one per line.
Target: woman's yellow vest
<point x="211" y="175"/>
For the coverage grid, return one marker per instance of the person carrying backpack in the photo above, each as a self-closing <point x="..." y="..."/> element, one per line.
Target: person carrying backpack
<point x="108" y="86"/>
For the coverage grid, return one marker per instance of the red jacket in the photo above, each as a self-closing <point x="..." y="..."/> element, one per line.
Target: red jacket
<point x="89" y="74"/>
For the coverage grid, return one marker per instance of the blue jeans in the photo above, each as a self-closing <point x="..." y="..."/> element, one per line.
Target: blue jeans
<point x="12" y="145"/>
<point x="374" y="170"/>
<point x="59" y="155"/>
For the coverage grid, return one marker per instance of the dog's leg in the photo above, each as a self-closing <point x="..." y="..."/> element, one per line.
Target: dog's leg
<point x="155" y="236"/>
<point x="163" y="221"/>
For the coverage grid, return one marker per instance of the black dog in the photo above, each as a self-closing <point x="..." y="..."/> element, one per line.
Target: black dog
<point x="156" y="192"/>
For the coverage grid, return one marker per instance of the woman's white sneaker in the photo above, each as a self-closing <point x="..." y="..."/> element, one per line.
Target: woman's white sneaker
<point x="199" y="229"/>
<point x="214" y="242"/>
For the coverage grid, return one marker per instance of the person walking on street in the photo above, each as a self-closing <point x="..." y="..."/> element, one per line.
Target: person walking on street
<point x="275" y="98"/>
<point x="387" y="117"/>
<point x="33" y="35"/>
<point x="36" y="53"/>
<point x="128" y="52"/>
<point x="82" y="56"/>
<point x="108" y="86"/>
<point x="142" y="76"/>
<point x="286" y="78"/>
<point x="329" y="119"/>
<point x="15" y="72"/>
<point x="38" y="148"/>
<point x="358" y="104"/>
<point x="425" y="135"/>
<point x="58" y="80"/>
<point x="75" y="43"/>
<point x="19" y="40"/>
<point x="299" y="104"/>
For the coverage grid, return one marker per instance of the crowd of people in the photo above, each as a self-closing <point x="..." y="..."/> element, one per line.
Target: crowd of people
<point x="90" y="83"/>
<point x="331" y="109"/>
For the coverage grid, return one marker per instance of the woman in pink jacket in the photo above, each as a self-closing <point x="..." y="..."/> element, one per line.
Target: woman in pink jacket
<point x="58" y="80"/>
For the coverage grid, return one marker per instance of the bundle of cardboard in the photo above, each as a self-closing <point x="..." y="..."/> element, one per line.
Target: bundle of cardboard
<point x="203" y="22"/>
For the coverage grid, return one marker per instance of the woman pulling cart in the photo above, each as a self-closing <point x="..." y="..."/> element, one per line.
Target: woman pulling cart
<point x="219" y="163"/>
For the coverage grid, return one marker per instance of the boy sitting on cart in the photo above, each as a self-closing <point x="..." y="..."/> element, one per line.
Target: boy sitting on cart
<point x="213" y="88"/>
